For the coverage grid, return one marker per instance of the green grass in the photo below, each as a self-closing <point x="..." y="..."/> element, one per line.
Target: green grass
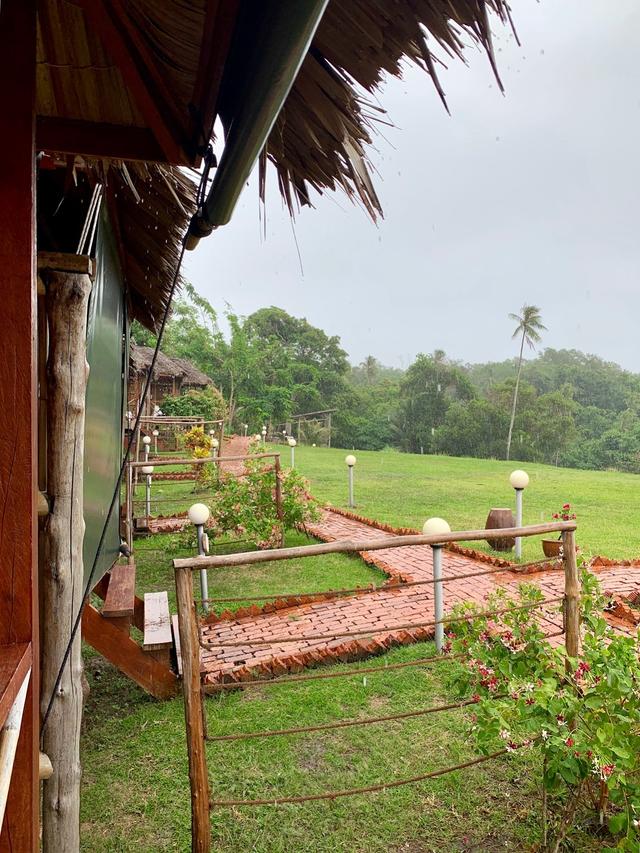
<point x="405" y="489"/>
<point x="154" y="572"/>
<point x="135" y="786"/>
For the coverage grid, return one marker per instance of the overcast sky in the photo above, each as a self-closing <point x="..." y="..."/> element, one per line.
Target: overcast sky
<point x="528" y="197"/>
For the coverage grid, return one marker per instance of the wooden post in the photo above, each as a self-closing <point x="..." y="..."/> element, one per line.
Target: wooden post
<point x="129" y="507"/>
<point x="63" y="581"/>
<point x="279" y="510"/>
<point x="571" y="596"/>
<point x="18" y="393"/>
<point x="194" y="716"/>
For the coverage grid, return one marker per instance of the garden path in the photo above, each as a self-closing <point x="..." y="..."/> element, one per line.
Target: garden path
<point x="377" y="612"/>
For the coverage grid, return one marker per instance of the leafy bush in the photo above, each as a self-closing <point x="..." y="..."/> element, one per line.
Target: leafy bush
<point x="208" y="404"/>
<point x="586" y="722"/>
<point x="246" y="506"/>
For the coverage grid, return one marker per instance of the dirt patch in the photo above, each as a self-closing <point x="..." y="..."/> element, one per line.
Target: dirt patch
<point x="313" y="754"/>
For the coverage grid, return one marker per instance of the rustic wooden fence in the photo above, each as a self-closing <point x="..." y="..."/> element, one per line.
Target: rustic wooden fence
<point x="191" y="643"/>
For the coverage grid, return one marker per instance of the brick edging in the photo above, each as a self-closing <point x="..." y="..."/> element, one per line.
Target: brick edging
<point x="480" y="556"/>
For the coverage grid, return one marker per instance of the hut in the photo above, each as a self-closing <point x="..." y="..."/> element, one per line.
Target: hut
<point x="107" y="105"/>
<point x="171" y="377"/>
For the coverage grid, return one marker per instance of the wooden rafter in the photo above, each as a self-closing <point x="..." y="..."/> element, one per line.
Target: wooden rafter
<point x="123" y="42"/>
<point x="220" y="19"/>
<point x="94" y="139"/>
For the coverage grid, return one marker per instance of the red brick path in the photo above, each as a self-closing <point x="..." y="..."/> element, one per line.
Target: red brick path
<point x="378" y="610"/>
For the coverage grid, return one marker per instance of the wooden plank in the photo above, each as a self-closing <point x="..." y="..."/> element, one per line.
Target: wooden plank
<point x="176" y="641"/>
<point x="157" y="622"/>
<point x="65" y="262"/>
<point x="15" y="662"/>
<point x="121" y="592"/>
<point x="126" y="654"/>
<point x="96" y="139"/>
<point x="18" y="399"/>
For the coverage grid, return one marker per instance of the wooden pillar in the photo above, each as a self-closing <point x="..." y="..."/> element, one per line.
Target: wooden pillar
<point x="571" y="596"/>
<point x="63" y="577"/>
<point x="194" y="717"/>
<point x="18" y="394"/>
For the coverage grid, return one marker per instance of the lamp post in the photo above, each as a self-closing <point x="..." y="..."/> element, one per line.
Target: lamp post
<point x="264" y="434"/>
<point x="351" y="461"/>
<point x="434" y="526"/>
<point x="292" y="444"/>
<point x="199" y="515"/>
<point x="155" y="434"/>
<point x="215" y="445"/>
<point x="146" y="441"/>
<point x="519" y="480"/>
<point x="245" y="427"/>
<point x="148" y="470"/>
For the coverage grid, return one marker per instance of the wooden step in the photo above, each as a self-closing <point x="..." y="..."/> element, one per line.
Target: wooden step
<point x="121" y="592"/>
<point x="157" y="622"/>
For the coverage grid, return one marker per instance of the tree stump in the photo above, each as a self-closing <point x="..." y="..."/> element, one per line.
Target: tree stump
<point x="500" y="518"/>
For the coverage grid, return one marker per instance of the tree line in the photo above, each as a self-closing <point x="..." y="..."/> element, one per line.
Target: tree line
<point x="562" y="407"/>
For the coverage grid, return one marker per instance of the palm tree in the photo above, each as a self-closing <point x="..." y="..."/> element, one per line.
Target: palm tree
<point x="529" y="327"/>
<point x="369" y="367"/>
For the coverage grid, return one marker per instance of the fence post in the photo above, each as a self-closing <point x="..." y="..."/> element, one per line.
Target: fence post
<point x="279" y="511"/>
<point x="193" y="712"/>
<point x="571" y="595"/>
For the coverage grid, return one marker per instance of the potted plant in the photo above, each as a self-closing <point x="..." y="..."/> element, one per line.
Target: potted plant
<point x="553" y="547"/>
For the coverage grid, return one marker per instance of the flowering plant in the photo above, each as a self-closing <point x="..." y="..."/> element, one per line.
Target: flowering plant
<point x="565" y="514"/>
<point x="585" y="720"/>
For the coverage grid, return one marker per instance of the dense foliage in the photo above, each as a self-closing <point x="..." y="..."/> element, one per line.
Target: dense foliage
<point x="572" y="409"/>
<point x="208" y="404"/>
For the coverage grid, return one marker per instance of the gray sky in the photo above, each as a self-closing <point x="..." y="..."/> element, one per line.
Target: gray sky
<point x="531" y="197"/>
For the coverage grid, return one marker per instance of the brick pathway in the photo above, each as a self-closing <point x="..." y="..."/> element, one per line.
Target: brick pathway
<point x="382" y="609"/>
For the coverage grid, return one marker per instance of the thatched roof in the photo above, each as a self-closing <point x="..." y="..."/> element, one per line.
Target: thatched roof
<point x="167" y="367"/>
<point x="142" y="82"/>
<point x="320" y="138"/>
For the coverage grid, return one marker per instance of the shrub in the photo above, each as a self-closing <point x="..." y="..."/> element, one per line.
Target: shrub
<point x="208" y="404"/>
<point x="246" y="506"/>
<point x="586" y="723"/>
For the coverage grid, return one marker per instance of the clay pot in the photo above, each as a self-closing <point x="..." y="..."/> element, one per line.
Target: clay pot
<point x="500" y="518"/>
<point x="552" y="547"/>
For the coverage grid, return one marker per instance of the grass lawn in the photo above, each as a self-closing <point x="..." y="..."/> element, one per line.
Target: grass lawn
<point x="405" y="489"/>
<point x="135" y="787"/>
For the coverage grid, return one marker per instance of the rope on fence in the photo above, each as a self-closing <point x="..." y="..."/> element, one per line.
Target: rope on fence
<point x="370" y="789"/>
<point x="344" y="724"/>
<point x="297" y="679"/>
<point x="241" y="643"/>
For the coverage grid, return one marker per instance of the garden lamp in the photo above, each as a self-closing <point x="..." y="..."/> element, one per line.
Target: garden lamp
<point x="199" y="515"/>
<point x="431" y="527"/>
<point x="148" y="470"/>
<point x="215" y="444"/>
<point x="350" y="461"/>
<point x="264" y="434"/>
<point x="292" y="444"/>
<point x="155" y="435"/>
<point x="519" y="481"/>
<point x="146" y="441"/>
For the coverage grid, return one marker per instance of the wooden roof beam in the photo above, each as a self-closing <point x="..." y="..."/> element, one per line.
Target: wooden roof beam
<point x="123" y="42"/>
<point x="95" y="139"/>
<point x="220" y="20"/>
